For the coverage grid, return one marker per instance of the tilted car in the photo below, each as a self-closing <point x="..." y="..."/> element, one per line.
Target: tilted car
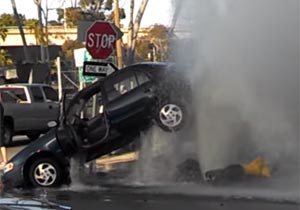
<point x="27" y="109"/>
<point x="128" y="101"/>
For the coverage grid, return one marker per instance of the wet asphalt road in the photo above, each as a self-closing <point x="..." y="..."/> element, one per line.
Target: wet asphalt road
<point x="100" y="191"/>
<point x="118" y="198"/>
<point x="103" y="192"/>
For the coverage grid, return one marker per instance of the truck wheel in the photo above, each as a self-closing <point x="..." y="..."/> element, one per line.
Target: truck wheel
<point x="8" y="134"/>
<point x="45" y="172"/>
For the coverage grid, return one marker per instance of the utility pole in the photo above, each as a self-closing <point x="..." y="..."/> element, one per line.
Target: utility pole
<point x="119" y="41"/>
<point x="38" y="4"/>
<point x="25" y="48"/>
<point x="47" y="33"/>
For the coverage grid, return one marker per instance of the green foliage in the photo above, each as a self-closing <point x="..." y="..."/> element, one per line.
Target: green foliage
<point x="68" y="48"/>
<point x="89" y="10"/>
<point x="33" y="26"/>
<point x="54" y="23"/>
<point x="142" y="48"/>
<point x="10" y="20"/>
<point x="156" y="44"/>
<point x="92" y="10"/>
<point x="5" y="58"/>
<point x="7" y="20"/>
<point x="159" y="31"/>
<point x="73" y="15"/>
<point x="3" y="32"/>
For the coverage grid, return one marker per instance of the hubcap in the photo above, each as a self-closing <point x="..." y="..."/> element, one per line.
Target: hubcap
<point x="170" y="115"/>
<point x="45" y="174"/>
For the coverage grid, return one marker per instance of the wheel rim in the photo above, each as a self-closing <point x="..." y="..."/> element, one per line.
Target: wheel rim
<point x="45" y="174"/>
<point x="170" y="115"/>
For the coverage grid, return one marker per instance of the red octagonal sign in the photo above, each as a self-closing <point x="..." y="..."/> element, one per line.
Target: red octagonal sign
<point x="101" y="39"/>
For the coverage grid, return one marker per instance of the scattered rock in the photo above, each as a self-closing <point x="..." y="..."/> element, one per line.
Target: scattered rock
<point x="188" y="171"/>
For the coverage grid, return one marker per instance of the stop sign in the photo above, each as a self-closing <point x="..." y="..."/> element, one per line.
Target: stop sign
<point x="101" y="39"/>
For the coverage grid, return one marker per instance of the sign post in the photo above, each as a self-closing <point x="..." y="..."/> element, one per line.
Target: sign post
<point x="82" y="55"/>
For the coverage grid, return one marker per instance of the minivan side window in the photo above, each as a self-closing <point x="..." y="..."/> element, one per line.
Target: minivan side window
<point x="37" y="94"/>
<point x="50" y="94"/>
<point x="142" y="77"/>
<point x="120" y="85"/>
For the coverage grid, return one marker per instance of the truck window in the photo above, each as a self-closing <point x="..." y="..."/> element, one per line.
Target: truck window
<point x="37" y="94"/>
<point x="13" y="95"/>
<point x="50" y="94"/>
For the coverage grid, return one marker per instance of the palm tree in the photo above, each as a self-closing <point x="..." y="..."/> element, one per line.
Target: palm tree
<point x="3" y="32"/>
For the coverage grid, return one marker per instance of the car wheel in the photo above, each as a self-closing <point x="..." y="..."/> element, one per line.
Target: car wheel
<point x="8" y="134"/>
<point x="170" y="116"/>
<point x="45" y="172"/>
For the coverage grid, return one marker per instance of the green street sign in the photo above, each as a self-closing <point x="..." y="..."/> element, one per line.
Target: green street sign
<point x="82" y="78"/>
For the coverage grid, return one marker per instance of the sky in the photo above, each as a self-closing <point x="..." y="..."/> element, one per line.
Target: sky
<point x="158" y="11"/>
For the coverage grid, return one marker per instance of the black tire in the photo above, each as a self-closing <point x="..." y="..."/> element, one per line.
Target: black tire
<point x="33" y="136"/>
<point x="176" y="111"/>
<point x="45" y="172"/>
<point x="8" y="134"/>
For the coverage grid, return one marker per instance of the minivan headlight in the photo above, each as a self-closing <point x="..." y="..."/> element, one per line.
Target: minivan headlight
<point x="8" y="167"/>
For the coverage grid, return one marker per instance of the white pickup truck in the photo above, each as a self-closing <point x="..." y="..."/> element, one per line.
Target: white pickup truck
<point x="28" y="108"/>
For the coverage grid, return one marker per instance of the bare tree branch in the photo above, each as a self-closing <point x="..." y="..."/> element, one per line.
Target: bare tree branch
<point x="135" y="30"/>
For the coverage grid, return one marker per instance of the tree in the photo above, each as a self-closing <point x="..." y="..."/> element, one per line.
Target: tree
<point x="8" y="19"/>
<point x="89" y="10"/>
<point x="133" y="29"/>
<point x="68" y="48"/>
<point x="3" y="32"/>
<point x="156" y="45"/>
<point x="54" y="23"/>
<point x="34" y="26"/>
<point x="5" y="58"/>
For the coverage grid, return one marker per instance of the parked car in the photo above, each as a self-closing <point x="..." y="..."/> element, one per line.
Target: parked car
<point x="128" y="101"/>
<point x="27" y="109"/>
